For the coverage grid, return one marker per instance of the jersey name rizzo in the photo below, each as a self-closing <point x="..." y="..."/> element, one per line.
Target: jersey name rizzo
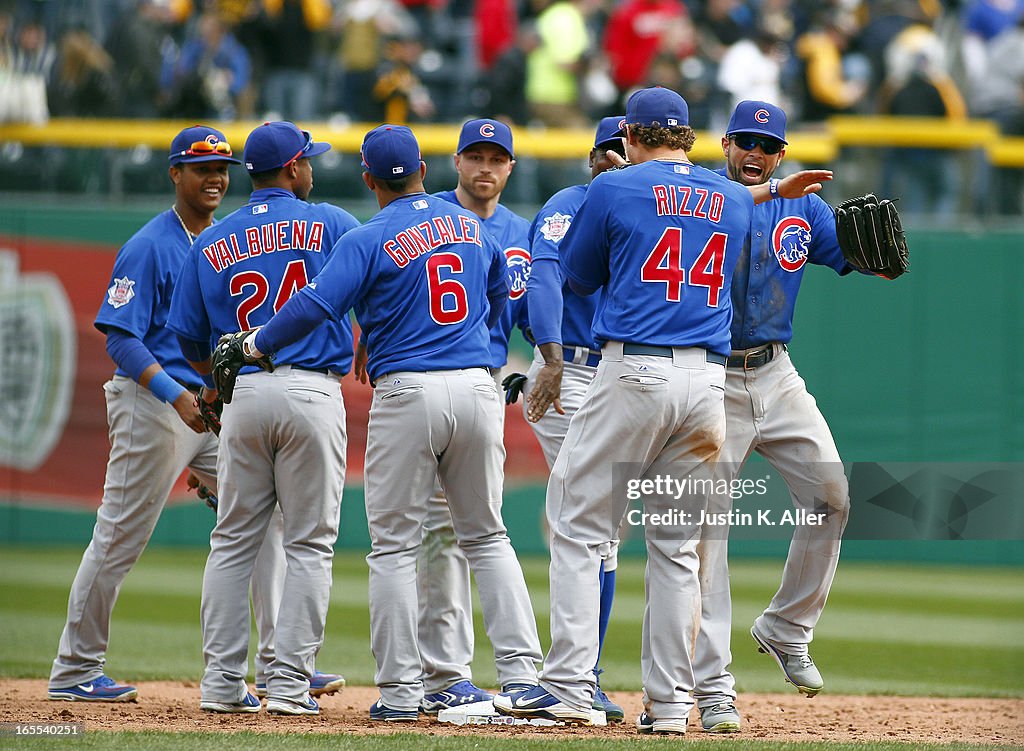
<point x="288" y="234"/>
<point x="425" y="237"/>
<point x="682" y="200"/>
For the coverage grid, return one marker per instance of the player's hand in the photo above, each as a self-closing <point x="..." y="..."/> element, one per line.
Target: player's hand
<point x="187" y="407"/>
<point x="803" y="183"/>
<point x="204" y="493"/>
<point x="547" y="389"/>
<point x="359" y="363"/>
<point x="616" y="158"/>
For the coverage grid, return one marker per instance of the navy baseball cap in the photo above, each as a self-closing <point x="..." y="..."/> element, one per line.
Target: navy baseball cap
<point x="486" y="131"/>
<point x="657" y="105"/>
<point x="609" y="129"/>
<point x="390" y="152"/>
<point x="200" y="144"/>
<point x="759" y="118"/>
<point x="274" y="145"/>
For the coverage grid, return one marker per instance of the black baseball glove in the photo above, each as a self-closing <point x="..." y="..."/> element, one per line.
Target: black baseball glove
<point x="871" y="236"/>
<point x="229" y="358"/>
<point x="211" y="412"/>
<point x="513" y="383"/>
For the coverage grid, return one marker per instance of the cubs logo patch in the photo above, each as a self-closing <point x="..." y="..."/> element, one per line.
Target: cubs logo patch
<point x="791" y="241"/>
<point x="487" y="130"/>
<point x="555" y="226"/>
<point x="121" y="293"/>
<point x="762" y="116"/>
<point x="518" y="260"/>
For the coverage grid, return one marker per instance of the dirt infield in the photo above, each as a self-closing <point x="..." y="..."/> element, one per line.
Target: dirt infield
<point x="174" y="707"/>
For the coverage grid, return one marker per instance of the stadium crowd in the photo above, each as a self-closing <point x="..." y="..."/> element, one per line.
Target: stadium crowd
<point x="554" y="63"/>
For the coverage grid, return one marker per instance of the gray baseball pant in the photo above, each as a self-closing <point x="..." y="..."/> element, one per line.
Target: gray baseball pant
<point x="658" y="414"/>
<point x="768" y="410"/>
<point x="425" y="426"/>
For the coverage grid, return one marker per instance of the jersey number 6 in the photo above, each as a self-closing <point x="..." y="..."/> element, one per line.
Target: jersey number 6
<point x="665" y="265"/>
<point x="448" y="301"/>
<point x="294" y="279"/>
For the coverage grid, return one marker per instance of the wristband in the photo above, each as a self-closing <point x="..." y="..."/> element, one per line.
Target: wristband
<point x="249" y="349"/>
<point x="773" y="187"/>
<point x="165" y="388"/>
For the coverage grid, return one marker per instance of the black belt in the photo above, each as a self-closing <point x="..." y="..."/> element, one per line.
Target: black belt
<point x="321" y="371"/>
<point x="754" y="358"/>
<point x="592" y="359"/>
<point x="647" y="349"/>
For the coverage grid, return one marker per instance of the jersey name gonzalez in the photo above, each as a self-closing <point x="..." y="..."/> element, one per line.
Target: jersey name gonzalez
<point x="425" y="237"/>
<point x="287" y="234"/>
<point x="682" y="200"/>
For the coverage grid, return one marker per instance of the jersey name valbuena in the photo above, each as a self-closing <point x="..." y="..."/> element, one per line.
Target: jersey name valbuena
<point x="261" y="239"/>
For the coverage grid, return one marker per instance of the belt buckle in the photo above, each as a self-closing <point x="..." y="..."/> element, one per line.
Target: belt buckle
<point x="746" y="357"/>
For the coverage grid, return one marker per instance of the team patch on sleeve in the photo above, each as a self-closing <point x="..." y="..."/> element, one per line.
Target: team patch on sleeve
<point x="121" y="293"/>
<point x="555" y="226"/>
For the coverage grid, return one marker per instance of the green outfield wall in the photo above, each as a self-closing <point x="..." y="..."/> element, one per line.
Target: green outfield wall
<point x="927" y="368"/>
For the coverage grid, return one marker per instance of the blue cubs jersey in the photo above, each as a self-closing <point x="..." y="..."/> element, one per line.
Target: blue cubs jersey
<point x="242" y="270"/>
<point x="662" y="238"/>
<point x="511" y="232"/>
<point x="785" y="235"/>
<point x="419" y="275"/>
<point x="546" y="233"/>
<point x="139" y="296"/>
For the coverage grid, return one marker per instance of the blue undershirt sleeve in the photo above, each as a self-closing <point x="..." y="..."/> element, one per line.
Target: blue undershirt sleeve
<point x="194" y="351"/>
<point x="128" y="351"/>
<point x="299" y="316"/>
<point x="544" y="296"/>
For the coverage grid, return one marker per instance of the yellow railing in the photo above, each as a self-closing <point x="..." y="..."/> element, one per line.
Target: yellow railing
<point x="809" y="146"/>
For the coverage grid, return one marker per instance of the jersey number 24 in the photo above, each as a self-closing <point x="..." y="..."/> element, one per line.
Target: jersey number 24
<point x="293" y="280"/>
<point x="664" y="265"/>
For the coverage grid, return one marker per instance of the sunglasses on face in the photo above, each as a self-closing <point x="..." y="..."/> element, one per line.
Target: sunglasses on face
<point x="205" y="148"/>
<point x="748" y="141"/>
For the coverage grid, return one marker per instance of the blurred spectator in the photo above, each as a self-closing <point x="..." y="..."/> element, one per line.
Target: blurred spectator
<point x="752" y="69"/>
<point x="504" y="83"/>
<point x="495" y="25"/>
<point x="827" y="89"/>
<point x="83" y="83"/>
<point x="918" y="84"/>
<point x="23" y="84"/>
<point x="982" y="22"/>
<point x="362" y="26"/>
<point x="554" y="67"/>
<point x="639" y="30"/>
<point x="401" y="95"/>
<point x="137" y="42"/>
<point x="1000" y="95"/>
<point x="884" y="21"/>
<point x="291" y="32"/>
<point x="208" y="77"/>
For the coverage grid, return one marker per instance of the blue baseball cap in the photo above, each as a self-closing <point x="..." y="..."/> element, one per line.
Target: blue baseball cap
<point x="486" y="131"/>
<point x="657" y="105"/>
<point x="390" y="152"/>
<point x="609" y="129"/>
<point x="274" y="145"/>
<point x="200" y="144"/>
<point x="759" y="118"/>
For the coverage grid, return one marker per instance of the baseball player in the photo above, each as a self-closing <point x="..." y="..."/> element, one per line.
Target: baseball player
<point x="426" y="281"/>
<point x="155" y="426"/>
<point x="768" y="410"/>
<point x="283" y="436"/>
<point x="561" y="324"/>
<point x="661" y="239"/>
<point x="484" y="160"/>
